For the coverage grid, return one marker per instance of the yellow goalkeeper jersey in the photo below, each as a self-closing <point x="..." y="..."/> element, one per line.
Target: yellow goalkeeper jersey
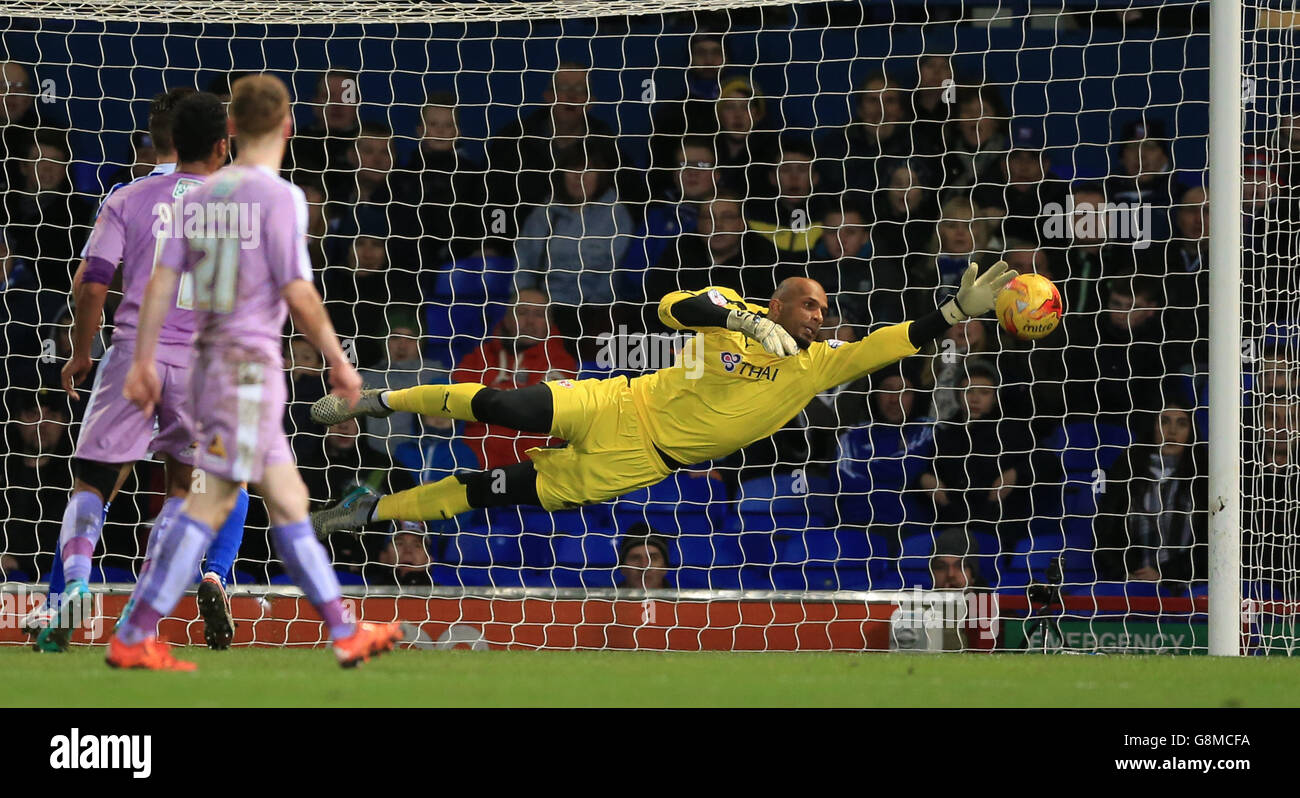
<point x="725" y="391"/>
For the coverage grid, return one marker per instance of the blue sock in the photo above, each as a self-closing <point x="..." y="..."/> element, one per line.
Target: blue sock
<point x="57" y="583"/>
<point x="224" y="549"/>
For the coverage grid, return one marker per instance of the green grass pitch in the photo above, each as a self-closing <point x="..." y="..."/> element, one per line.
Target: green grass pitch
<point x="267" y="677"/>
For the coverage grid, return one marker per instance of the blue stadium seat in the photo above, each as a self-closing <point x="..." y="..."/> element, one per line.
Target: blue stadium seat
<point x="1032" y="557"/>
<point x="716" y="577"/>
<point x="465" y="301"/>
<point x="14" y="575"/>
<point x="755" y="578"/>
<point x="564" y="576"/>
<point x="708" y="550"/>
<point x="469" y="548"/>
<point x="914" y="558"/>
<point x="349" y="578"/>
<point x="461" y="576"/>
<point x="594" y="518"/>
<point x="809" y="577"/>
<point x="109" y="573"/>
<point x="592" y="550"/>
<point x="686" y="503"/>
<point x="1085" y="448"/>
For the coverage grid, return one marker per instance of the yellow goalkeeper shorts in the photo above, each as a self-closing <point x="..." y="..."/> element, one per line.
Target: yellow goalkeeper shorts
<point x="608" y="452"/>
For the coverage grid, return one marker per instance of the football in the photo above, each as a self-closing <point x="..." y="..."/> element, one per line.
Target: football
<point x="1029" y="307"/>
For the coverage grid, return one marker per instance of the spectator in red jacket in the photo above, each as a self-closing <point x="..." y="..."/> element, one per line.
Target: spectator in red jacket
<point x="525" y="349"/>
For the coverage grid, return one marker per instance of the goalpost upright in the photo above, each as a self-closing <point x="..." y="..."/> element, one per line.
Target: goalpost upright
<point x="1225" y="332"/>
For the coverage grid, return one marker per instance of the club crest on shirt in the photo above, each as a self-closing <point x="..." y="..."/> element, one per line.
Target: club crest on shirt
<point x="730" y="360"/>
<point x="834" y="343"/>
<point x="217" y="448"/>
<point x="564" y="383"/>
<point x="716" y="297"/>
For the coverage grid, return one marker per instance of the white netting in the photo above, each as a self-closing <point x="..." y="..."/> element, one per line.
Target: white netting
<point x="1270" y="227"/>
<point x="875" y="147"/>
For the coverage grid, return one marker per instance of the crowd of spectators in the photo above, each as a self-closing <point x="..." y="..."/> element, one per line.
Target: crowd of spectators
<point x="560" y="235"/>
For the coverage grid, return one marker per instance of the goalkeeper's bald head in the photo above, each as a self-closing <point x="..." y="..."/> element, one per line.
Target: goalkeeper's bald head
<point x="800" y="306"/>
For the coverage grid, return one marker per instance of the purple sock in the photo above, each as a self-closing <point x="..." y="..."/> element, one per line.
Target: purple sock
<point x="166" y="515"/>
<point x="309" y="566"/>
<point x="82" y="521"/>
<point x="178" y="552"/>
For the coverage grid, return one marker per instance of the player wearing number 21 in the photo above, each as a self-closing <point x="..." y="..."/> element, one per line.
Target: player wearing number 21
<point x="250" y="266"/>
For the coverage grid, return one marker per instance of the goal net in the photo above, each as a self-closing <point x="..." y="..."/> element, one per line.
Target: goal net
<point x="502" y="192"/>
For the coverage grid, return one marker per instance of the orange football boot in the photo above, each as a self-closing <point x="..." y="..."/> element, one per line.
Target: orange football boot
<point x="369" y="640"/>
<point x="150" y="654"/>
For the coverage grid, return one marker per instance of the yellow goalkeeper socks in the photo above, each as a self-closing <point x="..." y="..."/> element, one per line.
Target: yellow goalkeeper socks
<point x="446" y="401"/>
<point x="437" y="500"/>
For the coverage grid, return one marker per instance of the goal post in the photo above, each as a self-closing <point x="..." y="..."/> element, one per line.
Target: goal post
<point x="1225" y="145"/>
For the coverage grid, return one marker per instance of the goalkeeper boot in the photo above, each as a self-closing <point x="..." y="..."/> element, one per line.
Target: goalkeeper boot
<point x="331" y="409"/>
<point x="350" y="514"/>
<point x="149" y="654"/>
<point x="214" y="608"/>
<point x="369" y="640"/>
<point x="55" y="637"/>
<point x="36" y="623"/>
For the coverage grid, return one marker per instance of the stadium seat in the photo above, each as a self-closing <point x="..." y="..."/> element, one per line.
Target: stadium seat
<point x="349" y="577"/>
<point x="563" y="576"/>
<point x="708" y="550"/>
<point x="1032" y="557"/>
<point x="685" y="503"/>
<point x="808" y="578"/>
<point x="844" y="559"/>
<point x="462" y="576"/>
<point x="595" y="518"/>
<point x="1085" y="448"/>
<point x="465" y="301"/>
<point x="592" y="550"/>
<point x="109" y="573"/>
<point x="914" y="558"/>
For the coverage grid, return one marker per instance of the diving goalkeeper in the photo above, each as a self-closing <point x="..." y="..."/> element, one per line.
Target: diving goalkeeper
<point x="759" y="370"/>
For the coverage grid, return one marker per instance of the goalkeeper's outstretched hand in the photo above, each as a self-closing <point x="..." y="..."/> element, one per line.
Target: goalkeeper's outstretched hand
<point x="771" y="335"/>
<point x="978" y="295"/>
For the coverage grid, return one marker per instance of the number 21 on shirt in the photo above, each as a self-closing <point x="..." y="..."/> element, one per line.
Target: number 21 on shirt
<point x="216" y="274"/>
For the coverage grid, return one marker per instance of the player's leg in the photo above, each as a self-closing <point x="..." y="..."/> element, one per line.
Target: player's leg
<point x="213" y="601"/>
<point x="528" y="409"/>
<point x="177" y="552"/>
<point x="83" y="520"/>
<point x="113" y="435"/>
<point x="441" y="500"/>
<point x="220" y="562"/>
<point x="308" y="564"/>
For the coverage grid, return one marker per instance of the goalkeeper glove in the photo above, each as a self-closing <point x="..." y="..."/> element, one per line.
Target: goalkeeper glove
<point x="977" y="295"/>
<point x="771" y="335"/>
